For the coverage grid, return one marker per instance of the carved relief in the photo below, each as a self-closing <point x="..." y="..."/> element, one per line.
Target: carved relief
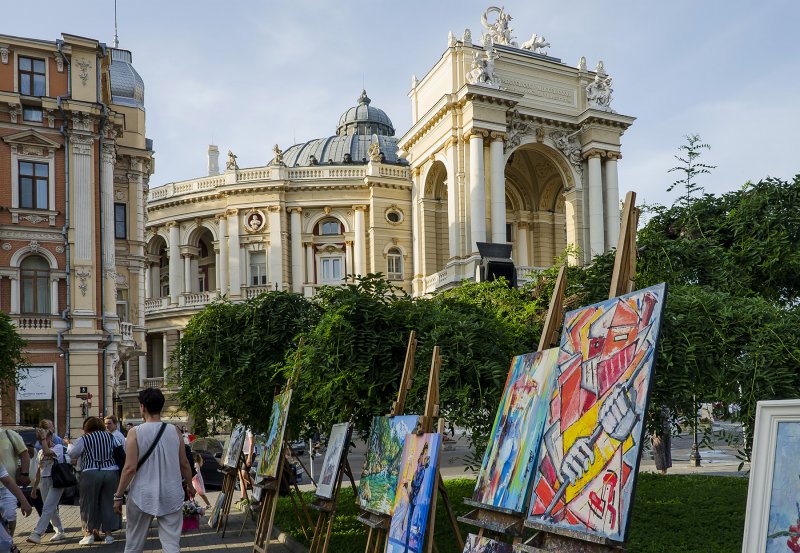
<point x="51" y="118"/>
<point x="4" y="51"/>
<point x="13" y="112"/>
<point x="567" y="145"/>
<point x="59" y="62"/>
<point x="482" y="71"/>
<point x="34" y="219"/>
<point x="82" y="122"/>
<point x="83" y="65"/>
<point x="59" y="249"/>
<point x="254" y="221"/>
<point x="517" y="128"/>
<point x="7" y="246"/>
<point x="83" y="273"/>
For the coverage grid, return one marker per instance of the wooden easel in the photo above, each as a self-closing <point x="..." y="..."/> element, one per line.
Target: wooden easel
<point x="228" y="487"/>
<point x="497" y="520"/>
<point x="622" y="282"/>
<point x="327" y="507"/>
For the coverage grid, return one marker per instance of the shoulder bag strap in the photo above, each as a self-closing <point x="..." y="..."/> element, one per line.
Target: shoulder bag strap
<point x="152" y="446"/>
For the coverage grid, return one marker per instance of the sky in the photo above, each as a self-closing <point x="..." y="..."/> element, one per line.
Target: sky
<point x="249" y="74"/>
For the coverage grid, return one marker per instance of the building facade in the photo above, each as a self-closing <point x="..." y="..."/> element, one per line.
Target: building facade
<point x="74" y="171"/>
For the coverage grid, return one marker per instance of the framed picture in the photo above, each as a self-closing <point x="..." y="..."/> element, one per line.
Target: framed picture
<point x="772" y="521"/>
<point x="234" y="448"/>
<point x="273" y="441"/>
<point x="338" y="444"/>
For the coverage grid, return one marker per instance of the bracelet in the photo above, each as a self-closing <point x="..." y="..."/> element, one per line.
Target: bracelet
<point x="117" y="499"/>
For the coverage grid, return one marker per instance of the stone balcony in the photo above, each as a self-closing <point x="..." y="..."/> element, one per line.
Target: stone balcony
<point x="39" y="324"/>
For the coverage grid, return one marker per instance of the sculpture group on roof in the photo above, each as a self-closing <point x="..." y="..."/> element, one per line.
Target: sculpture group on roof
<point x="499" y="32"/>
<point x="598" y="93"/>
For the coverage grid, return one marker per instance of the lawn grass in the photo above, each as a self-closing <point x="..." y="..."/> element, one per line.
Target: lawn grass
<point x="681" y="514"/>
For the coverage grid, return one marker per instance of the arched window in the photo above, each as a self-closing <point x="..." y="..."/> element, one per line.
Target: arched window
<point x="394" y="264"/>
<point x="35" y="285"/>
<point x="329" y="227"/>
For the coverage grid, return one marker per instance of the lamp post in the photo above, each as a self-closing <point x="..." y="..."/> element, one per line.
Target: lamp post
<point x="694" y="456"/>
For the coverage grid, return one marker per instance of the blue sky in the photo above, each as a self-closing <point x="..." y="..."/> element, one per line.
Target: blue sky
<point x="251" y="74"/>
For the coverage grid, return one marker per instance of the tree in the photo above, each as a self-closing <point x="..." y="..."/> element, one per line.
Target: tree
<point x="12" y="358"/>
<point x="690" y="167"/>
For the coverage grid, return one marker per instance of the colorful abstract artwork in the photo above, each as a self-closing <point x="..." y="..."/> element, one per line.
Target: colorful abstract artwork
<point x="476" y="544"/>
<point x="412" y="500"/>
<point x="273" y="441"/>
<point x="337" y="444"/>
<point x="507" y="469"/>
<point x="783" y="527"/>
<point x="586" y="466"/>
<point x="387" y="436"/>
<point x="234" y="446"/>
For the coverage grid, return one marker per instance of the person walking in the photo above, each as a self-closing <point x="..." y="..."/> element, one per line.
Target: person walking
<point x="154" y="466"/>
<point x="197" y="479"/>
<point x="112" y="426"/>
<point x="99" y="478"/>
<point x="50" y="454"/>
<point x="13" y="452"/>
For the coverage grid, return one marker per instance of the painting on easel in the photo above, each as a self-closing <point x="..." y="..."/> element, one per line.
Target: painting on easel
<point x="507" y="469"/>
<point x="589" y="456"/>
<point x="480" y="544"/>
<point x="387" y="436"/>
<point x="234" y="446"/>
<point x="414" y="490"/>
<point x="273" y="442"/>
<point x="333" y="458"/>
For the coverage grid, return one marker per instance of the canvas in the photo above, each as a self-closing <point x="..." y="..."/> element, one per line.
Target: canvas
<point x="337" y="445"/>
<point x="772" y="520"/>
<point x="378" y="483"/>
<point x="507" y="468"/>
<point x="475" y="544"/>
<point x="589" y="455"/>
<point x="412" y="501"/>
<point x="234" y="446"/>
<point x="273" y="441"/>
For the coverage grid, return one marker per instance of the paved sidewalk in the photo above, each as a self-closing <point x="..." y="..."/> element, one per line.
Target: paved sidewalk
<point x="205" y="539"/>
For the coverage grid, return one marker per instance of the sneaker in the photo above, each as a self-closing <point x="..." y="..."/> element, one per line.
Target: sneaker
<point x="109" y="539"/>
<point x="35" y="538"/>
<point x="87" y="540"/>
<point x="58" y="536"/>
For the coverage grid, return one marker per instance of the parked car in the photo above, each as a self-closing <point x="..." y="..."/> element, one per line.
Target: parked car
<point x="298" y="447"/>
<point x="211" y="451"/>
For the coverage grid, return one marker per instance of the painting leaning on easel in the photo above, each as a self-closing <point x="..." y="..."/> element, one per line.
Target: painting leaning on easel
<point x="234" y="446"/>
<point x="480" y="544"/>
<point x="340" y="434"/>
<point x="412" y="500"/>
<point x="589" y="455"/>
<point x="273" y="442"/>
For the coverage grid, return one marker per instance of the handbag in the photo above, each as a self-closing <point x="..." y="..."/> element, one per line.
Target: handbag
<point x="119" y="456"/>
<point x="63" y="474"/>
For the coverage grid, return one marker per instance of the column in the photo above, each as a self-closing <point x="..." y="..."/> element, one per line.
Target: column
<point x="416" y="235"/>
<point x="298" y="276"/>
<point x="453" y="230"/>
<point x="498" y="176"/>
<point x="14" y="294"/>
<point x="187" y="273"/>
<point x="234" y="253"/>
<point x="310" y="262"/>
<point x="348" y="257"/>
<point x="147" y="284"/>
<point x="572" y="210"/>
<point x="108" y="156"/>
<point x="596" y="223"/>
<point x="360" y="250"/>
<point x="82" y="211"/>
<point x="522" y="244"/>
<point x="612" y="201"/>
<point x="54" y="297"/>
<point x="275" y="249"/>
<point x="222" y="255"/>
<point x="477" y="192"/>
<point x="164" y="356"/>
<point x="175" y="268"/>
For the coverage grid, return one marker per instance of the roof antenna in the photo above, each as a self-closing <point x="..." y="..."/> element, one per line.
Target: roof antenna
<point x="116" y="37"/>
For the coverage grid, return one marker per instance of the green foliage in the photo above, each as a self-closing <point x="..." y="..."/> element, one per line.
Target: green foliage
<point x="12" y="357"/>
<point x="690" y="167"/>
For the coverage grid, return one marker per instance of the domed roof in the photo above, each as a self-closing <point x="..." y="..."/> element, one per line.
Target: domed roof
<point x="365" y="119"/>
<point x="358" y="128"/>
<point x="127" y="86"/>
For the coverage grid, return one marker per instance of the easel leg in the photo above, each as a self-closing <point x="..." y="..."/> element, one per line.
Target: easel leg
<point x="450" y="514"/>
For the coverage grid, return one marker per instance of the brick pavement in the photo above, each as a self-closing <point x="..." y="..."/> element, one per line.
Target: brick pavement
<point x="206" y="539"/>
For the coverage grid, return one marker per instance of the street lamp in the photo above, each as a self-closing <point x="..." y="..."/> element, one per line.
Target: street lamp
<point x="694" y="456"/>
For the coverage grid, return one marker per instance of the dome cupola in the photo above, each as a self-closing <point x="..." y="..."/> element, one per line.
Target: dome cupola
<point x="365" y="119"/>
<point x="127" y="86"/>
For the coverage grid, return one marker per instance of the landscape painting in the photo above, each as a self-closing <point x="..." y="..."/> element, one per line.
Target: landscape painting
<point x="234" y="446"/>
<point x="273" y="442"/>
<point x="479" y="544"/>
<point x="387" y="436"/>
<point x="507" y="469"/>
<point x="415" y="484"/>
<point x="783" y="526"/>
<point x="589" y="456"/>
<point x="338" y="442"/>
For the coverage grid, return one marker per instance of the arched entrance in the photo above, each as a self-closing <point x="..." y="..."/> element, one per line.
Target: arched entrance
<point x="203" y="261"/>
<point x="157" y="281"/>
<point x="433" y="220"/>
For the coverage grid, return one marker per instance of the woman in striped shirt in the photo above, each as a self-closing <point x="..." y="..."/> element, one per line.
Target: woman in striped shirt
<point x="99" y="479"/>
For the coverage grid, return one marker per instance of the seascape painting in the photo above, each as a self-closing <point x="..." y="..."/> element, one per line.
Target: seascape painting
<point x="417" y="479"/>
<point x="234" y="446"/>
<point x="387" y="436"/>
<point x="587" y="464"/>
<point x="507" y="468"/>
<point x="476" y="544"/>
<point x="273" y="442"/>
<point x="783" y="526"/>
<point x="338" y="443"/>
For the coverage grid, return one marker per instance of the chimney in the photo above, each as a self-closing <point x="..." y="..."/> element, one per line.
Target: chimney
<point x="213" y="160"/>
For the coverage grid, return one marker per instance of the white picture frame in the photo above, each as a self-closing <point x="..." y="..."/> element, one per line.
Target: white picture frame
<point x="769" y="487"/>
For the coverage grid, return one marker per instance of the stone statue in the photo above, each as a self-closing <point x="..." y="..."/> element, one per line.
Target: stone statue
<point x="467" y="39"/>
<point x="598" y="93"/>
<point x="278" y="159"/>
<point x="566" y="143"/>
<point x="482" y="70"/>
<point x="535" y="44"/>
<point x="582" y="63"/>
<point x="498" y="32"/>
<point x="374" y="152"/>
<point x="231" y="165"/>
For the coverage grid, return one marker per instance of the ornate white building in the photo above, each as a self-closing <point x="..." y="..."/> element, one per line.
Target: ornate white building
<point x="507" y="144"/>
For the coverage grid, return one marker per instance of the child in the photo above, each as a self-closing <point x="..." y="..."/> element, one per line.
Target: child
<point x="197" y="481"/>
<point x="47" y="457"/>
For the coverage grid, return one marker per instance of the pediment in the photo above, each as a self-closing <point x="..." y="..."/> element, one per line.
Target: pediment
<point x="31" y="138"/>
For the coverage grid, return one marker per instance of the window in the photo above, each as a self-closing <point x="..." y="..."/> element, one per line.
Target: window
<point x="122" y="305"/>
<point x="120" y="221"/>
<point x="31" y="114"/>
<point x="509" y="233"/>
<point x="31" y="77"/>
<point x="331" y="270"/>
<point x="329" y="227"/>
<point x="35" y="395"/>
<point x="33" y="183"/>
<point x="35" y="289"/>
<point x="258" y="269"/>
<point x="394" y="262"/>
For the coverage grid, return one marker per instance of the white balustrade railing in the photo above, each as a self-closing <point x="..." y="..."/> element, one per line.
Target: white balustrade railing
<point x="34" y="322"/>
<point x="156" y="304"/>
<point x="197" y="298"/>
<point x="253" y="291"/>
<point x="153" y="382"/>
